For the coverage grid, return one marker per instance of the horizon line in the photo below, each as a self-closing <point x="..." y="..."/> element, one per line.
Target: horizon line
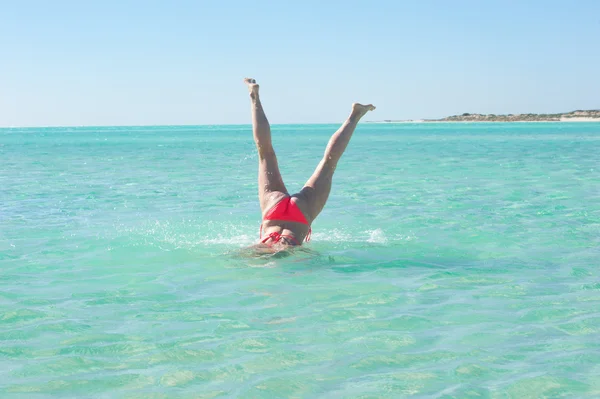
<point x="380" y="122"/>
<point x="172" y="125"/>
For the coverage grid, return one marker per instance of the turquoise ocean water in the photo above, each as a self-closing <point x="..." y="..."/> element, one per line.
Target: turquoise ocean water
<point x="452" y="261"/>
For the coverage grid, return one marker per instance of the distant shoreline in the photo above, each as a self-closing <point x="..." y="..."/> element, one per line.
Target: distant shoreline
<point x="574" y="116"/>
<point x="577" y="120"/>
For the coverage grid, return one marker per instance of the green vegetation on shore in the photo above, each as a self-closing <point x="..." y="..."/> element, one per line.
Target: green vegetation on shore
<point x="466" y="117"/>
<point x="579" y="115"/>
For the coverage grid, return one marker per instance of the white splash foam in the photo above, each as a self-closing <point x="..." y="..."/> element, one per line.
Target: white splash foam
<point x="334" y="235"/>
<point x="377" y="236"/>
<point x="235" y="240"/>
<point x="186" y="234"/>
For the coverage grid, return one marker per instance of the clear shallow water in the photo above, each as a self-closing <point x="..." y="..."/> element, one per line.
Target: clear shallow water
<point x="452" y="261"/>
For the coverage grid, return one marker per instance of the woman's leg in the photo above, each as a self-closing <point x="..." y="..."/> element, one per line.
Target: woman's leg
<point x="270" y="183"/>
<point x="317" y="188"/>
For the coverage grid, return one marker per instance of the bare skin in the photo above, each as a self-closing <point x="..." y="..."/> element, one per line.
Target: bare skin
<point x="271" y="189"/>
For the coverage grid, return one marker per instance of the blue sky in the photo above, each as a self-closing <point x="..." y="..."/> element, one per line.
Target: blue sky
<point x="182" y="62"/>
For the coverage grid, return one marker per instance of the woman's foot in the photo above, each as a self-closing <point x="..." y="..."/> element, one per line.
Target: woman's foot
<point x="359" y="110"/>
<point x="252" y="87"/>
